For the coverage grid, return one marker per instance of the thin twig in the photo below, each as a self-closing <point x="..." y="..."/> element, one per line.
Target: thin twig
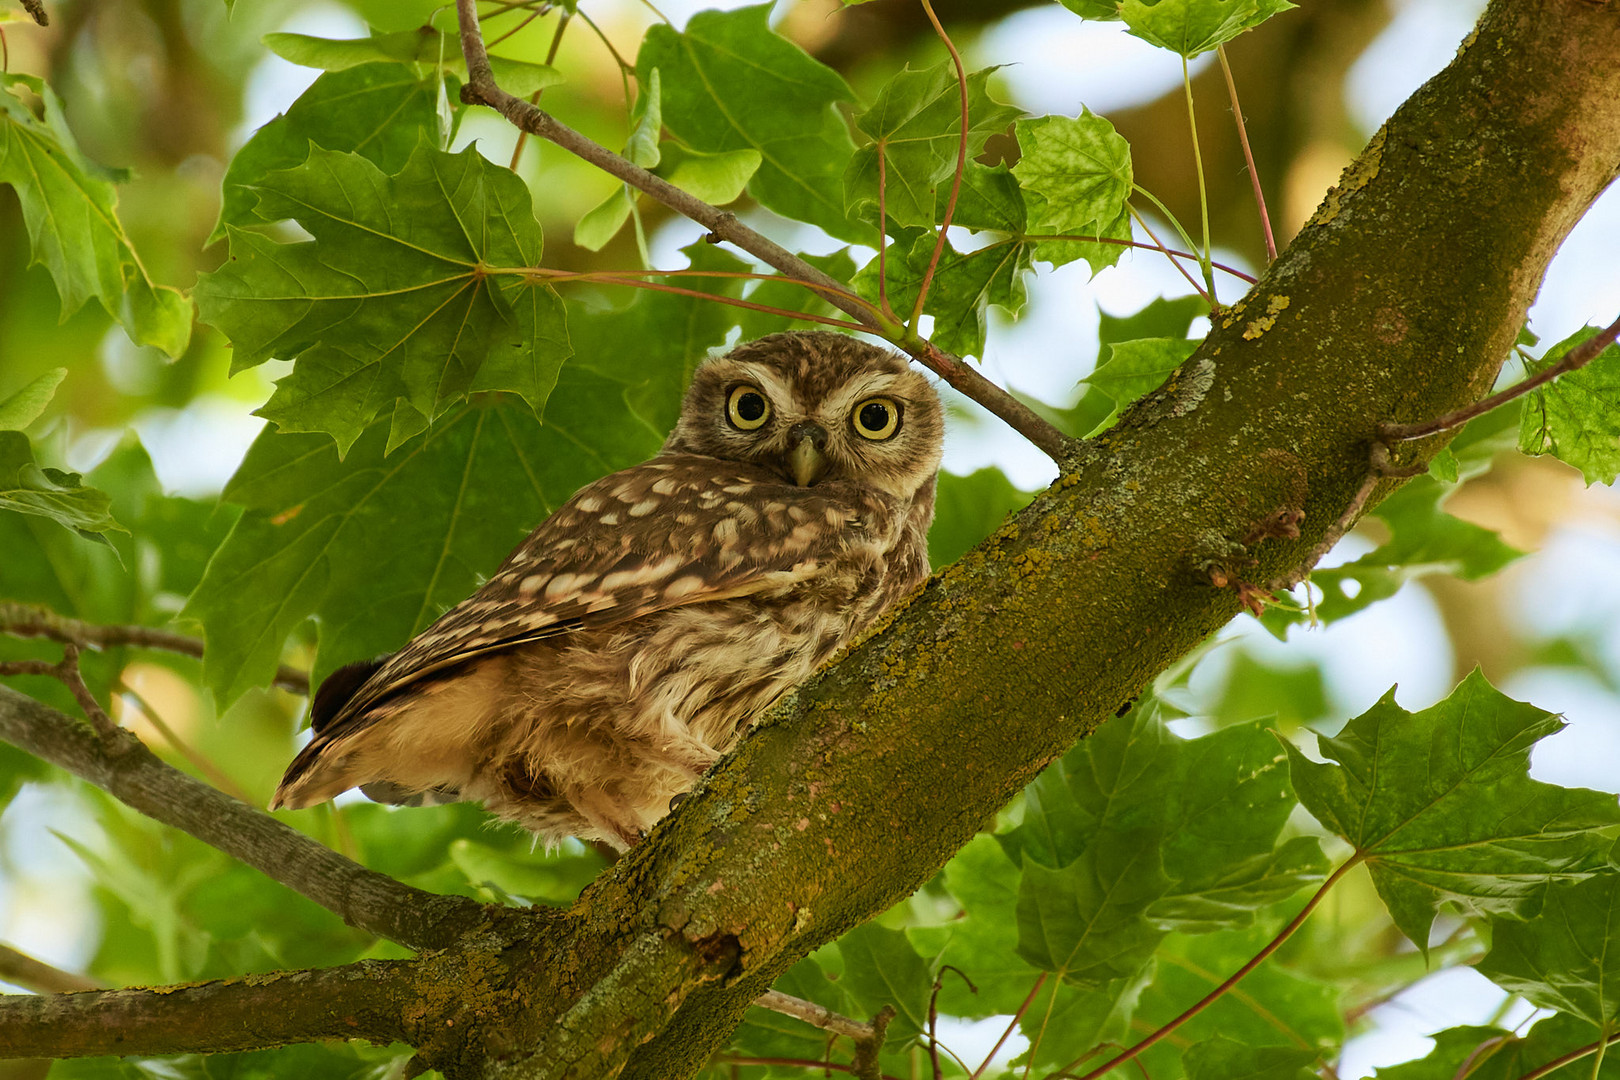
<point x="1477" y="1055"/>
<point x="37" y="10"/>
<point x="933" y="1017"/>
<point x="1578" y="357"/>
<point x="1040" y="981"/>
<point x="608" y="277"/>
<point x="66" y="671"/>
<point x="1214" y="995"/>
<point x="956" y="178"/>
<point x="23" y="970"/>
<point x="815" y="1015"/>
<point x="534" y="99"/>
<point x="1248" y="156"/>
<point x="481" y="89"/>
<point x="204" y="764"/>
<point x="27" y="620"/>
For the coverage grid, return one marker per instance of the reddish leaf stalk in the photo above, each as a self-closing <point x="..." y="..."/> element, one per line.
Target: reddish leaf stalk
<point x="1248" y="155"/>
<point x="1214" y="995"/>
<point x="961" y="167"/>
<point x="1574" y="1055"/>
<point x="1158" y="245"/>
<point x="612" y="278"/>
<point x="1040" y="981"/>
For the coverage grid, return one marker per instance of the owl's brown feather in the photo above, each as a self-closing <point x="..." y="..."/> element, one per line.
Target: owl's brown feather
<point x="627" y="642"/>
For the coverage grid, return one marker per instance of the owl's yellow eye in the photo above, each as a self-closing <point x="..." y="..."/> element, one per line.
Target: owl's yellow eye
<point x="747" y="408"/>
<point x="876" y="418"/>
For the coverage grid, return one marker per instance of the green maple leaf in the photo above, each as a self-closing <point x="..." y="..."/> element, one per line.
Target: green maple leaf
<point x="1573" y="417"/>
<point x="1565" y="959"/>
<point x="1190" y="27"/>
<point x="916" y="125"/>
<point x="1441" y="807"/>
<point x="62" y="497"/>
<point x="411" y="294"/>
<point x="1133" y="369"/>
<point x="1492" y="1053"/>
<point x="882" y="968"/>
<point x="964" y="286"/>
<point x="1085" y="922"/>
<point x="70" y="208"/>
<point x="1076" y="176"/>
<point x="729" y="83"/>
<point x="1221" y="1058"/>
<point x="380" y="111"/>
<point x="318" y="532"/>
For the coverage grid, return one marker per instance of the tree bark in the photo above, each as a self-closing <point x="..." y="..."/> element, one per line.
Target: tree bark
<point x="1397" y="302"/>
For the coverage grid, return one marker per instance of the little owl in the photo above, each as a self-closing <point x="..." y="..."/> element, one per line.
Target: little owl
<point x="634" y="636"/>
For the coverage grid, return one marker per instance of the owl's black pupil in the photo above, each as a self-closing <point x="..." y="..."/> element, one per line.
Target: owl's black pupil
<point x="874" y="417"/>
<point x="750" y="407"/>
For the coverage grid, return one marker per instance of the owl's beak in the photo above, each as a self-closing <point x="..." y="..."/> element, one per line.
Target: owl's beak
<point x="806" y="461"/>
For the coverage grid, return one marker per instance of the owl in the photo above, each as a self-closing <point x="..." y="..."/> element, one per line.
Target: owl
<point x="632" y="638"/>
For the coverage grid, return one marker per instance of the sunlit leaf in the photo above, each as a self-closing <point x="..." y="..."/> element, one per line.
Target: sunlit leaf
<point x="27" y="404"/>
<point x="412" y="284"/>
<point x="1190" y="27"/>
<point x="70" y="207"/>
<point x="1441" y="806"/>
<point x="1574" y="416"/>
<point x="1563" y="960"/>
<point x="62" y="497"/>
<point x="424" y="46"/>
<point x="1076" y="175"/>
<point x="730" y="83"/>
<point x="380" y="111"/>
<point x="916" y="125"/>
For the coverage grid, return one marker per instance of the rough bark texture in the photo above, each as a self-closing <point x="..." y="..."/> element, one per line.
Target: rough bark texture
<point x="1398" y="302"/>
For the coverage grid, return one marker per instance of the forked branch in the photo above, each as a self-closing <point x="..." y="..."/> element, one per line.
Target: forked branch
<point x="481" y="89"/>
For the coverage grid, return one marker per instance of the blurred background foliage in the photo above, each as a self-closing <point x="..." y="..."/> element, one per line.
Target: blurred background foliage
<point x="169" y="89"/>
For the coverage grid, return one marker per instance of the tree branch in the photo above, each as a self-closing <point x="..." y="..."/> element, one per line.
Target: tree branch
<point x="126" y="769"/>
<point x="23" y="970"/>
<point x="28" y="620"/>
<point x="481" y="89"/>
<point x="364" y="1000"/>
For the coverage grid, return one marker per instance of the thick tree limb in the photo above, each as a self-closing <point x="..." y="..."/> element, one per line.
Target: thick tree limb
<point x="130" y="772"/>
<point x="367" y="1000"/>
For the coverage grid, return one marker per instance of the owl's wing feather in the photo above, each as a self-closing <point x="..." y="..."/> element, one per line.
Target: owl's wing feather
<point x="673" y="531"/>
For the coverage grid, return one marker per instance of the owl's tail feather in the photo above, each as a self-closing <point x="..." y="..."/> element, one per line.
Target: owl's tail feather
<point x="314" y="772"/>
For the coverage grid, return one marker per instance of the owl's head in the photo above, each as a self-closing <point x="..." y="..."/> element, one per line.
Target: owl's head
<point x="814" y="407"/>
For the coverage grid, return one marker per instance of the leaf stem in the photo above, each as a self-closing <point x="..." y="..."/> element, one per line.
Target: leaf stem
<point x="1248" y="155"/>
<point x="1040" y="981"/>
<point x="1203" y="194"/>
<point x="1573" y="1056"/>
<point x="1117" y="242"/>
<point x="204" y="764"/>
<point x="1214" y="995"/>
<point x="956" y="178"/>
<point x="1159" y="244"/>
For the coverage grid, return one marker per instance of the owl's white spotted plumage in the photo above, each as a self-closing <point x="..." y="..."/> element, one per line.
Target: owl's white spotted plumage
<point x="635" y="634"/>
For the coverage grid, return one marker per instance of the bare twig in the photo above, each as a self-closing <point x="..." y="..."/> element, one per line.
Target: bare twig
<point x="865" y="1065"/>
<point x="481" y="89"/>
<point x="1578" y="357"/>
<point x="27" y="620"/>
<point x="1248" y="155"/>
<point x="37" y="10"/>
<point x="816" y="1015"/>
<point x="127" y="770"/>
<point x="933" y="1017"/>
<point x="23" y="970"/>
<point x="67" y="672"/>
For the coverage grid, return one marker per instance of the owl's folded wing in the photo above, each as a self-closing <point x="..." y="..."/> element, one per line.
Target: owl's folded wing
<point x="670" y="532"/>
